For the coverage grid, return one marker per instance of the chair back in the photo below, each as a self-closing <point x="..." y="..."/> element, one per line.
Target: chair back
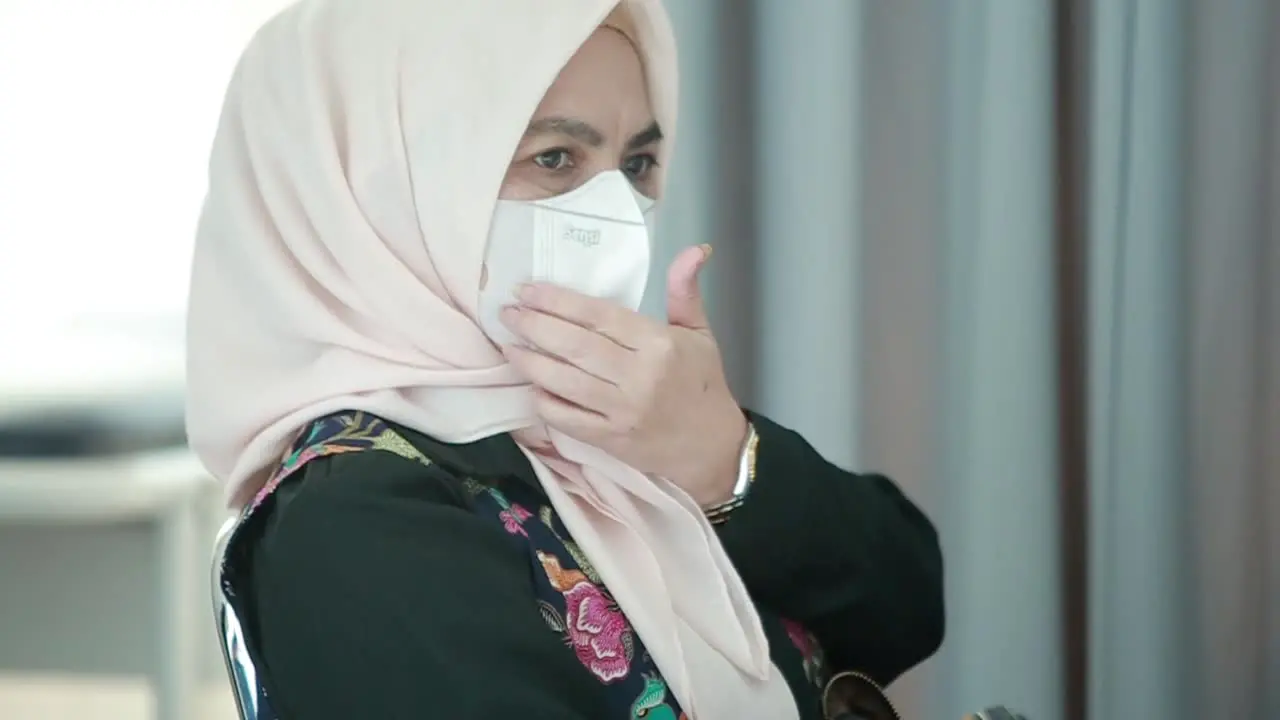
<point x="250" y="696"/>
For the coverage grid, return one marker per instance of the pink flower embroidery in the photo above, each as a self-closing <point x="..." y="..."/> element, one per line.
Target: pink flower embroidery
<point x="810" y="651"/>
<point x="799" y="637"/>
<point x="513" y="518"/>
<point x="598" y="632"/>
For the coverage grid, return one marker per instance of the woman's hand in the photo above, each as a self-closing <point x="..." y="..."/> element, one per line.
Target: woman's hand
<point x="651" y="394"/>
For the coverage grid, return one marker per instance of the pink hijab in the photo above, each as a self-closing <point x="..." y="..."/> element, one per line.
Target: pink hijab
<point x="337" y="265"/>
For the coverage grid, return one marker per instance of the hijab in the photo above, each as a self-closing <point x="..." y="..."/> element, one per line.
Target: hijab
<point x="337" y="266"/>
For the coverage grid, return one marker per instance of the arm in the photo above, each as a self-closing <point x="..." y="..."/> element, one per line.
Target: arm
<point x="377" y="594"/>
<point x="848" y="556"/>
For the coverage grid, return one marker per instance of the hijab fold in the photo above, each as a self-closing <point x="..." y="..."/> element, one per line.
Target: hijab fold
<point x="337" y="266"/>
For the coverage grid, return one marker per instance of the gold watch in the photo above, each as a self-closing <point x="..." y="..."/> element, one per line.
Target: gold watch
<point x="718" y="514"/>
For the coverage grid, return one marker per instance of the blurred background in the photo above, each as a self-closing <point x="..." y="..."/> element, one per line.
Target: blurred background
<point x="1021" y="255"/>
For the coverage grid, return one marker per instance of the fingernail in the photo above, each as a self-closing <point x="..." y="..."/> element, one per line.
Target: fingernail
<point x="524" y="291"/>
<point x="706" y="251"/>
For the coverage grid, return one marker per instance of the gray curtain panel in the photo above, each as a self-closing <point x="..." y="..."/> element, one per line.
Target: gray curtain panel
<point x="1232" y="362"/>
<point x="1021" y="255"/>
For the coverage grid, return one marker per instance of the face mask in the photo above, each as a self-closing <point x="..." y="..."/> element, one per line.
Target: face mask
<point x="594" y="239"/>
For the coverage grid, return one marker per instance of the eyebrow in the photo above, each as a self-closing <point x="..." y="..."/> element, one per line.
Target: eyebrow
<point x="647" y="136"/>
<point x="585" y="133"/>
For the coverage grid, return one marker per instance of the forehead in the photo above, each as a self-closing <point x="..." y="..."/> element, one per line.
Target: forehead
<point x="604" y="82"/>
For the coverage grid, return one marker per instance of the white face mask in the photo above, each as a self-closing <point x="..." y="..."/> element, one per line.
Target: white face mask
<point x="595" y="239"/>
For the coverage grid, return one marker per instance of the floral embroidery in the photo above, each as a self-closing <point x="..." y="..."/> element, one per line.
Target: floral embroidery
<point x="511" y="514"/>
<point x="513" y="519"/>
<point x="592" y="622"/>
<point x="651" y="704"/>
<point x="815" y="664"/>
<point x="547" y="516"/>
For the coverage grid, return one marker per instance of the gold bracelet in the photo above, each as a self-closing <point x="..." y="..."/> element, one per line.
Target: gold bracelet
<point x="718" y="514"/>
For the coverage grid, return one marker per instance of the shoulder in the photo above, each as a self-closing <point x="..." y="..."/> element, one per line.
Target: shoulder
<point x="354" y="454"/>
<point x="349" y="480"/>
<point x="355" y="496"/>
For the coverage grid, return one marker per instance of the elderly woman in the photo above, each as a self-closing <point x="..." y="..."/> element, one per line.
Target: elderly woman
<point x="475" y="482"/>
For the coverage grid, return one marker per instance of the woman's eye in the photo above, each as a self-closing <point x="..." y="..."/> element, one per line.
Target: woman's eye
<point x="552" y="159"/>
<point x="637" y="166"/>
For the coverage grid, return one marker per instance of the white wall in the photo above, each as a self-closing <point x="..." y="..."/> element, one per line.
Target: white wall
<point x="106" y="113"/>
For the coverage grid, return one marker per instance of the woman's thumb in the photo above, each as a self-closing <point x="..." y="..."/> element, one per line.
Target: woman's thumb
<point x="684" y="298"/>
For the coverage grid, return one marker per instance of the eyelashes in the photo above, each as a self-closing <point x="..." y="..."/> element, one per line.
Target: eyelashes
<point x="555" y="159"/>
<point x="648" y="161"/>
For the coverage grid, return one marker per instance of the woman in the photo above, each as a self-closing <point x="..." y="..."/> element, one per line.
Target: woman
<point x="478" y="483"/>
